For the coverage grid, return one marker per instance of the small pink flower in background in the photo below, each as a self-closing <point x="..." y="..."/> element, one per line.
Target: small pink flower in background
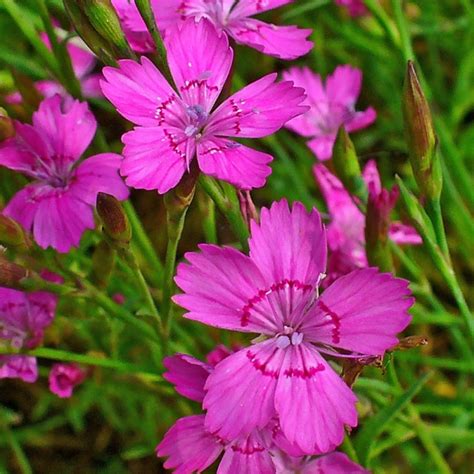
<point x="354" y="7"/>
<point x="174" y="127"/>
<point x="331" y="105"/>
<point x="119" y="298"/>
<point x="134" y="27"/>
<point x="63" y="378"/>
<point x="235" y="18"/>
<point x="274" y="292"/>
<point x="23" y="319"/>
<point x="346" y="239"/>
<point x="58" y="205"/>
<point x="83" y="62"/>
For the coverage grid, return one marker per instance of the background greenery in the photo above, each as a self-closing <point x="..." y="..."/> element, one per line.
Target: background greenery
<point x="417" y="414"/>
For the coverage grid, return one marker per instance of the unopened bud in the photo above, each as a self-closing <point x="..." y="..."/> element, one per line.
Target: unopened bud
<point x="11" y="274"/>
<point x="116" y="224"/>
<point x="346" y="164"/>
<point x="104" y="20"/>
<point x="377" y="224"/>
<point x="12" y="234"/>
<point x="247" y="207"/>
<point x="7" y="129"/>
<point x="420" y="136"/>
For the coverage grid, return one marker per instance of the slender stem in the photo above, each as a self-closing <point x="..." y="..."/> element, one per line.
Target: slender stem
<point x="129" y="257"/>
<point x="230" y="211"/>
<point x="141" y="239"/>
<point x="421" y="429"/>
<point x="433" y="209"/>
<point x="405" y="40"/>
<point x="21" y="457"/>
<point x="349" y="449"/>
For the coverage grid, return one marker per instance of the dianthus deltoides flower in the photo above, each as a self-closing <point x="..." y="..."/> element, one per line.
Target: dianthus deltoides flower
<point x="346" y="230"/>
<point x="191" y="448"/>
<point x="23" y="319"/>
<point x="332" y="105"/>
<point x="63" y="378"/>
<point x="174" y="126"/>
<point x="58" y="205"/>
<point x="235" y="18"/>
<point x="274" y="292"/>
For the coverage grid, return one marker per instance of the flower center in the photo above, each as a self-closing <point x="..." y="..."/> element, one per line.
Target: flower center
<point x="289" y="337"/>
<point x="197" y="118"/>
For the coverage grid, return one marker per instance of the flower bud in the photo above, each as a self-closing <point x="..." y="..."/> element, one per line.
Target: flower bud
<point x="420" y="136"/>
<point x="103" y="260"/>
<point x="11" y="274"/>
<point x="116" y="224"/>
<point x="12" y="235"/>
<point x="346" y="164"/>
<point x="377" y="223"/>
<point x="7" y="129"/>
<point x="100" y="46"/>
<point x="104" y="20"/>
<point x="247" y="207"/>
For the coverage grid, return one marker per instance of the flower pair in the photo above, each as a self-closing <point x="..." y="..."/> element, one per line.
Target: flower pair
<point x="283" y="377"/>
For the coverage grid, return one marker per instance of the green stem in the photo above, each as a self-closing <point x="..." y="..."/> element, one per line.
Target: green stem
<point x="129" y="257"/>
<point x="231" y="210"/>
<point x="67" y="75"/>
<point x="433" y="209"/>
<point x="20" y="455"/>
<point x="420" y="428"/>
<point x="405" y="40"/>
<point x="349" y="449"/>
<point x="141" y="239"/>
<point x="384" y="20"/>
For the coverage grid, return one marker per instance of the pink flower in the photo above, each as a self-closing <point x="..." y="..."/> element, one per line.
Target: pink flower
<point x="83" y="62"/>
<point x="134" y="27"/>
<point x="58" y="205"/>
<point x="333" y="463"/>
<point x="346" y="229"/>
<point x="332" y="105"/>
<point x="190" y="447"/>
<point x="274" y="292"/>
<point x="176" y="126"/>
<point x="354" y="7"/>
<point x="235" y="18"/>
<point x="64" y="377"/>
<point x="23" y="319"/>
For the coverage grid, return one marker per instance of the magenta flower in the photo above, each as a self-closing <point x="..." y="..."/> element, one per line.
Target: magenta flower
<point x="63" y="378"/>
<point x="354" y="7"/>
<point x="235" y="18"/>
<point x="331" y="106"/>
<point x="274" y="292"/>
<point x="176" y="126"/>
<point x="134" y="27"/>
<point x="346" y="229"/>
<point x="23" y="319"/>
<point x="58" y="205"/>
<point x="83" y="62"/>
<point x="333" y="463"/>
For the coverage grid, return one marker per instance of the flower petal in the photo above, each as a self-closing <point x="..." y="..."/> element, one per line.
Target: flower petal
<point x="343" y="85"/>
<point x="361" y="312"/>
<point x="247" y="455"/>
<point x="257" y="110"/>
<point x="361" y="120"/>
<point x="154" y="101"/>
<point x="69" y="129"/>
<point x="200" y="59"/>
<point x="23" y="205"/>
<point x="312" y="401"/>
<point x="60" y="220"/>
<point x="188" y="375"/>
<point x="219" y="285"/>
<point x="289" y="244"/>
<point x="233" y="162"/>
<point x="254" y="7"/>
<point x="322" y="146"/>
<point x="241" y="389"/>
<point x="284" y="42"/>
<point x="188" y="446"/>
<point x="404" y="234"/>
<point x="333" y="463"/>
<point x="155" y="157"/>
<point x="98" y="174"/>
<point x="21" y="367"/>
